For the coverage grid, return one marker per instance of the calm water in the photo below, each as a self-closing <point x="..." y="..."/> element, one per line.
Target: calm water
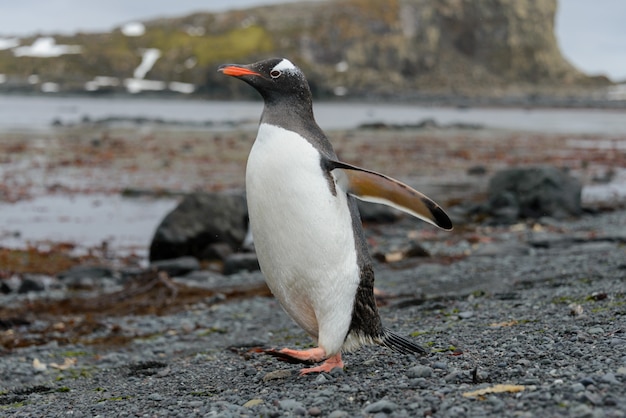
<point x="38" y="112"/>
<point x="125" y="225"/>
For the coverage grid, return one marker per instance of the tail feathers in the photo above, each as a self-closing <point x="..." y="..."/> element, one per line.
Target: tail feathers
<point x="401" y="344"/>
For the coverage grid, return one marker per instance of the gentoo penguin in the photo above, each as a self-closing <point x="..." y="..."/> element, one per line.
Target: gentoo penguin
<point x="305" y="222"/>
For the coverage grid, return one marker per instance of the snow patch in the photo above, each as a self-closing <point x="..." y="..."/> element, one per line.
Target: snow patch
<point x="136" y="85"/>
<point x="148" y="58"/>
<point x="50" y="87"/>
<point x="46" y="47"/>
<point x="101" y="81"/>
<point x="133" y="29"/>
<point x="185" y="88"/>
<point x="8" y="43"/>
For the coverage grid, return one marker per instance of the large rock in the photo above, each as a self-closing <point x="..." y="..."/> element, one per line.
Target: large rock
<point x="199" y="224"/>
<point x="533" y="192"/>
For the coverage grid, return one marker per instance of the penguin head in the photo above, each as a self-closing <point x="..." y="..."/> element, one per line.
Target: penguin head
<point x="276" y="79"/>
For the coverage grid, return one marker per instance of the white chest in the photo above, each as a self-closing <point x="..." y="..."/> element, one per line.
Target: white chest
<point x="302" y="231"/>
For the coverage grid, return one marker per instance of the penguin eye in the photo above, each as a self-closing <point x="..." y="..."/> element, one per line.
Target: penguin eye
<point x="275" y="73"/>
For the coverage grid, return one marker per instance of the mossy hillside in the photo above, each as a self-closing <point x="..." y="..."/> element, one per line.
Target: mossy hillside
<point x="116" y="55"/>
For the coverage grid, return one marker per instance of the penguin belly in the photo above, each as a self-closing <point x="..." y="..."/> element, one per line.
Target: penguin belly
<point x="302" y="234"/>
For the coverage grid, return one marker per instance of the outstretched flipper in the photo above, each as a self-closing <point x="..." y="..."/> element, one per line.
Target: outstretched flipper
<point x="371" y="186"/>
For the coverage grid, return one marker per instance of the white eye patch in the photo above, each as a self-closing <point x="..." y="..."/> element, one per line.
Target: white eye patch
<point x="285" y="66"/>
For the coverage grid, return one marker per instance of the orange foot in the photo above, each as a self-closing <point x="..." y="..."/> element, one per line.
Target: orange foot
<point x="327" y="366"/>
<point x="312" y="355"/>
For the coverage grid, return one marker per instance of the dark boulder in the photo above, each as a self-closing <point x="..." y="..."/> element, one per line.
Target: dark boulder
<point x="199" y="222"/>
<point x="533" y="192"/>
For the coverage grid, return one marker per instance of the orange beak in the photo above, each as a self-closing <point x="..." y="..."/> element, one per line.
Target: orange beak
<point x="236" y="71"/>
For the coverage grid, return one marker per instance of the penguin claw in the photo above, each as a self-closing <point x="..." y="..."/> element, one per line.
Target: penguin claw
<point x="330" y="364"/>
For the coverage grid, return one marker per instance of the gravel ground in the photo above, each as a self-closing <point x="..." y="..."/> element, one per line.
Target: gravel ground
<point x="524" y="320"/>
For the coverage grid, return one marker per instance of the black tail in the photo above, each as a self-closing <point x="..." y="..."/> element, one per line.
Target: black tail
<point x="401" y="344"/>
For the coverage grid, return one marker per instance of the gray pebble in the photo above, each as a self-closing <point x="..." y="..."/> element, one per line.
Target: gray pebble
<point x="290" y="405"/>
<point x="466" y="314"/>
<point x="321" y="378"/>
<point x="338" y="414"/>
<point x="587" y="380"/>
<point x="314" y="411"/>
<point x="381" y="406"/>
<point x="452" y="376"/>
<point x="276" y="374"/>
<point x="440" y="365"/>
<point x="609" y="378"/>
<point x="155" y="397"/>
<point x="577" y="387"/>
<point x="496" y="403"/>
<point x="595" y="330"/>
<point x="419" y="371"/>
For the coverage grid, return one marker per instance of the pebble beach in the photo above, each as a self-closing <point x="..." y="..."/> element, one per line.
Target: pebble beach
<point x="524" y="319"/>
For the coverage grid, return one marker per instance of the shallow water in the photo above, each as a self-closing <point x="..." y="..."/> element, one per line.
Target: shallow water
<point x="124" y="225"/>
<point x="39" y="112"/>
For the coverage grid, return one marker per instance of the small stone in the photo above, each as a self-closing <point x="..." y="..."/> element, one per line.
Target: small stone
<point x="314" y="411"/>
<point x="419" y="371"/>
<point x="452" y="376"/>
<point x="253" y="402"/>
<point x="581" y="411"/>
<point x="155" y="397"/>
<point x="587" y="381"/>
<point x="609" y="378"/>
<point x="497" y="404"/>
<point x="277" y="374"/>
<point x="381" y="406"/>
<point x="440" y="365"/>
<point x="321" y="378"/>
<point x="589" y="398"/>
<point x="466" y="314"/>
<point x="595" y="330"/>
<point x="577" y="387"/>
<point x="338" y="414"/>
<point x="337" y="371"/>
<point x="290" y="405"/>
<point x="621" y="370"/>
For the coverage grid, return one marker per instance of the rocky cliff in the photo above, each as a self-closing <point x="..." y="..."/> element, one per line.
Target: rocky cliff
<point x="353" y="47"/>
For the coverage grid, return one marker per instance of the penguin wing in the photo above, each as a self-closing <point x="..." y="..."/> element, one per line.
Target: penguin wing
<point x="371" y="186"/>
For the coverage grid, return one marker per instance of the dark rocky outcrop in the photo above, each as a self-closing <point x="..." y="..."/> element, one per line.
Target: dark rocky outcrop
<point x="200" y="221"/>
<point x="533" y="192"/>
